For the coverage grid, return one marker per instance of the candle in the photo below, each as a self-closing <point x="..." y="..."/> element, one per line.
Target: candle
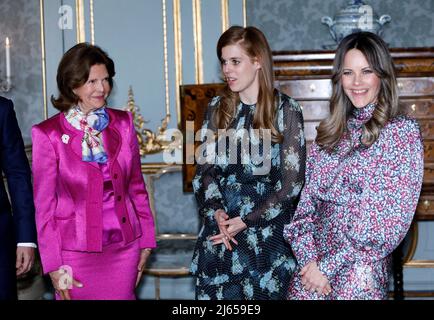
<point x="8" y="59"/>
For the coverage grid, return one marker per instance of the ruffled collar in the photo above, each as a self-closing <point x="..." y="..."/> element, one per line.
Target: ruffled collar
<point x="360" y="116"/>
<point x="246" y="106"/>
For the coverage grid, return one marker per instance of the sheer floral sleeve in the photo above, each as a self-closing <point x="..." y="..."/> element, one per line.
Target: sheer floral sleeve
<point x="206" y="184"/>
<point x="299" y="233"/>
<point x="289" y="158"/>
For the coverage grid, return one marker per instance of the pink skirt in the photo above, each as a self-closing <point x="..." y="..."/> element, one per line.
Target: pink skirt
<point x="107" y="275"/>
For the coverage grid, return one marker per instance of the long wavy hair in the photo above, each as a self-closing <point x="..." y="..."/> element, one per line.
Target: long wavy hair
<point x="331" y="129"/>
<point x="255" y="45"/>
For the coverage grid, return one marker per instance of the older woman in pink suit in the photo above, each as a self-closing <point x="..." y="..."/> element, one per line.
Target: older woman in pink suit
<point x="95" y="227"/>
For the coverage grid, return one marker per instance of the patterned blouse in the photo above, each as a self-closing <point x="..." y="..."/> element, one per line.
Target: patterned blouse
<point x="261" y="265"/>
<point x="356" y="207"/>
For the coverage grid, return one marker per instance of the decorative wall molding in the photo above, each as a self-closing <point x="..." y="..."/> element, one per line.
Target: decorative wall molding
<point x="43" y="63"/>
<point x="79" y="15"/>
<point x="197" y="26"/>
<point x="92" y="23"/>
<point x="225" y="14"/>
<point x="166" y="63"/>
<point x="177" y="36"/>
<point x="244" y="13"/>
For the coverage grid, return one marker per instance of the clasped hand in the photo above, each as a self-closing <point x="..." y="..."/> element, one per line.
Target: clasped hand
<point x="228" y="228"/>
<point x="314" y="280"/>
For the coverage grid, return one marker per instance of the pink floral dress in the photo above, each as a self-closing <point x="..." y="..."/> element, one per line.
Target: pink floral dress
<point x="356" y="207"/>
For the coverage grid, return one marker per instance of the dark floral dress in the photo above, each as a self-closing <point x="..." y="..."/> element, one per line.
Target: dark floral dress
<point x="261" y="265"/>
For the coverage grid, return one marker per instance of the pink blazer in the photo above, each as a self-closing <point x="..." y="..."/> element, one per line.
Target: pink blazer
<point x="68" y="191"/>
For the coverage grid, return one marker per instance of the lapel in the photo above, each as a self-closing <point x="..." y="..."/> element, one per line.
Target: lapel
<point x="75" y="138"/>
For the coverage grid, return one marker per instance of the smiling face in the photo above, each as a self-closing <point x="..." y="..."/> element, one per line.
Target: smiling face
<point x="359" y="81"/>
<point x="93" y="93"/>
<point x="241" y="73"/>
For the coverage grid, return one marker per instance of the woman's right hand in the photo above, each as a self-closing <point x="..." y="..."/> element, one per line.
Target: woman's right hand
<point x="220" y="216"/>
<point x="62" y="281"/>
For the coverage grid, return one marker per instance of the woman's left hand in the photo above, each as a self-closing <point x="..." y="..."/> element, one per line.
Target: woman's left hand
<point x="233" y="227"/>
<point x="314" y="280"/>
<point x="144" y="254"/>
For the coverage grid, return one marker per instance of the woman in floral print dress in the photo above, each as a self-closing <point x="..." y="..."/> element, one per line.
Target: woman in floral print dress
<point x="363" y="180"/>
<point x="245" y="203"/>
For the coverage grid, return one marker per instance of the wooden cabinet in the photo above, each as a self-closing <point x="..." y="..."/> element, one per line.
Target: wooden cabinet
<point x="306" y="77"/>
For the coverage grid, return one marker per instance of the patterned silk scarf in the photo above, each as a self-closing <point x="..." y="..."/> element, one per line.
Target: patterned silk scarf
<point x="92" y="125"/>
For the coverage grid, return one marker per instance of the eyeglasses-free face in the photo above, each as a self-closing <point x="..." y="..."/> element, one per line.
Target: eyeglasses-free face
<point x="359" y="81"/>
<point x="241" y="73"/>
<point x="94" y="92"/>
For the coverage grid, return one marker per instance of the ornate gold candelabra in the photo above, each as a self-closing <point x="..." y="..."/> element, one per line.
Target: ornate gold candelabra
<point x="150" y="142"/>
